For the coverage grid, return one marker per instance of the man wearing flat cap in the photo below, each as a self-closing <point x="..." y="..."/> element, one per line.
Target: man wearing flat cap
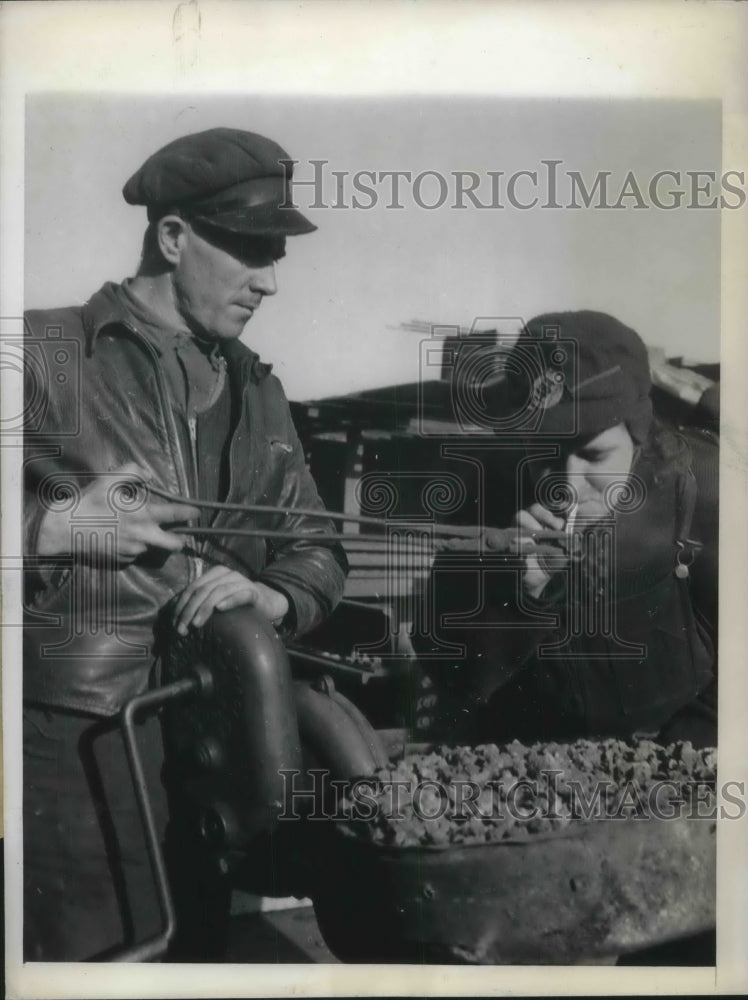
<point x="164" y="394"/>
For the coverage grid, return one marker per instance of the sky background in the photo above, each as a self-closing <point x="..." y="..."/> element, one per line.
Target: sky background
<point x="333" y="327"/>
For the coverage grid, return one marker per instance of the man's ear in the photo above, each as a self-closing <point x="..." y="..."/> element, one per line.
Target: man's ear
<point x="171" y="234"/>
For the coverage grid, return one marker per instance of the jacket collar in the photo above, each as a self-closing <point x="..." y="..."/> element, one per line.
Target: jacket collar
<point x="105" y="309"/>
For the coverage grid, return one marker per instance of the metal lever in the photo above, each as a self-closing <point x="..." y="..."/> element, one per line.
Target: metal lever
<point x="153" y="947"/>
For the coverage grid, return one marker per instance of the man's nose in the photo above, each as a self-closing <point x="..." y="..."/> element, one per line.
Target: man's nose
<point x="262" y="280"/>
<point x="576" y="469"/>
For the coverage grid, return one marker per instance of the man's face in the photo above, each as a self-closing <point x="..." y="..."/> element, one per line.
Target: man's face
<point x="591" y="465"/>
<point x="221" y="279"/>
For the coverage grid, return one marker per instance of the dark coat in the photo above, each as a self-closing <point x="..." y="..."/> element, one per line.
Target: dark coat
<point x="96" y="399"/>
<point x="564" y="667"/>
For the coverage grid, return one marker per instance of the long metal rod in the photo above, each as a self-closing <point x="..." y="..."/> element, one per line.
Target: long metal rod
<point x="155" y="946"/>
<point x="467" y="531"/>
<point x="295" y="535"/>
<point x="493" y="538"/>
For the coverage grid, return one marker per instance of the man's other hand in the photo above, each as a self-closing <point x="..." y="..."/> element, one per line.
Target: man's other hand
<point x="138" y="530"/>
<point x="221" y="589"/>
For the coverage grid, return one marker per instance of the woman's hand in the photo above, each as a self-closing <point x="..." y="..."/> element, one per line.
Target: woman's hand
<point x="221" y="589"/>
<point x="536" y="518"/>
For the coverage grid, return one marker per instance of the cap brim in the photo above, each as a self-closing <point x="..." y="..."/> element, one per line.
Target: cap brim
<point x="583" y="418"/>
<point x="260" y="220"/>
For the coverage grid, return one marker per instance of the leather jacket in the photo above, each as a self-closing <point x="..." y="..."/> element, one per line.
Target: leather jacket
<point x="95" y="398"/>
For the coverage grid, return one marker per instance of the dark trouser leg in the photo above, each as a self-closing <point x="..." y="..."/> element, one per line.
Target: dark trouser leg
<point x="88" y="885"/>
<point x="202" y="894"/>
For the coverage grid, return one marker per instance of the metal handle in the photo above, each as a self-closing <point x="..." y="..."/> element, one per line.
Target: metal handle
<point x="153" y="947"/>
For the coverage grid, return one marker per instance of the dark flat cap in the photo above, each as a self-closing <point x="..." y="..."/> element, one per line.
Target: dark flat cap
<point x="234" y="180"/>
<point x="582" y="373"/>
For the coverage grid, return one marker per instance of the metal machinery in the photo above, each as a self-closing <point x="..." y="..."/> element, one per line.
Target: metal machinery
<point x="244" y="717"/>
<point x="242" y="713"/>
<point x="240" y="731"/>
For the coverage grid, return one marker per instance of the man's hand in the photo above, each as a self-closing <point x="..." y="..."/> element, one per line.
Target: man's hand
<point x="537" y="518"/>
<point x="138" y="529"/>
<point x="220" y="589"/>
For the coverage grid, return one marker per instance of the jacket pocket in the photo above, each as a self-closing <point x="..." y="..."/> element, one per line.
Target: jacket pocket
<point x="53" y="600"/>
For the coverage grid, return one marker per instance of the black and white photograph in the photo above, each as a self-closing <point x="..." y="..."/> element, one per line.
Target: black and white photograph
<point x="374" y="454"/>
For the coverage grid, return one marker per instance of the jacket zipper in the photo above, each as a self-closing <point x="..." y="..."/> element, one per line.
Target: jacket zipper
<point x="192" y="424"/>
<point x="221" y="515"/>
<point x="194" y="563"/>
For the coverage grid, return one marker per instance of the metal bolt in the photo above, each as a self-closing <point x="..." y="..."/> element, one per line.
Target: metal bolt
<point x="219" y="825"/>
<point x="208" y="753"/>
<point x="324" y="685"/>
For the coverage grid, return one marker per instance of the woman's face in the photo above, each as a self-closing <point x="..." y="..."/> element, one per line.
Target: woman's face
<point x="592" y="465"/>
